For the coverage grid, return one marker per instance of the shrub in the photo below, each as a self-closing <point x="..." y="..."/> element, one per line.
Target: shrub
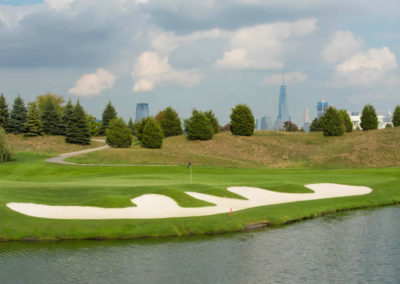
<point x="332" y="123"/>
<point x="152" y="134"/>
<point x="78" y="131"/>
<point x="396" y="116"/>
<point x="315" y="126"/>
<point x="118" y="134"/>
<point x="242" y="121"/>
<point x="198" y="126"/>
<point x="214" y="121"/>
<point x="5" y="151"/>
<point x="290" y="127"/>
<point x="369" y="119"/>
<point x="170" y="122"/>
<point x="388" y="125"/>
<point x="139" y="128"/>
<point x="94" y="125"/>
<point x="346" y="120"/>
<point x="33" y="125"/>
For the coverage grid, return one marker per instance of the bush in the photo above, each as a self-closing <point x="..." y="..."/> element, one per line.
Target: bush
<point x="290" y="127"/>
<point x="346" y="120"/>
<point x="369" y="119"/>
<point x="315" y="126"/>
<point x="242" y="121"/>
<point x="214" y="121"/>
<point x="139" y="128"/>
<point x="152" y="135"/>
<point x="5" y="151"/>
<point x="332" y="123"/>
<point x="396" y="116"/>
<point x="118" y="134"/>
<point x="198" y="126"/>
<point x="170" y="122"/>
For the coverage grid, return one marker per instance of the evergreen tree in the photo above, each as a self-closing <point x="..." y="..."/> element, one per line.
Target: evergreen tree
<point x="346" y="120"/>
<point x="332" y="122"/>
<point x="242" y="121"/>
<point x="139" y="128"/>
<point x="4" y="114"/>
<point x="152" y="135"/>
<point x="369" y="119"/>
<point x="78" y="131"/>
<point x="5" y="151"/>
<point x="118" y="134"/>
<point x="33" y="125"/>
<point x="17" y="120"/>
<point x="214" y="121"/>
<point x="131" y="125"/>
<point x="315" y="126"/>
<point x="198" y="126"/>
<point x="170" y="122"/>
<point x="50" y="118"/>
<point x="67" y="112"/>
<point x="396" y="116"/>
<point x="109" y="113"/>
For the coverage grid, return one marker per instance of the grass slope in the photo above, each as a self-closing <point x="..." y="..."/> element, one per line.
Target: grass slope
<point x="270" y="149"/>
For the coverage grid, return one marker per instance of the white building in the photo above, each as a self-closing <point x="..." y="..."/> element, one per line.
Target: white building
<point x="383" y="120"/>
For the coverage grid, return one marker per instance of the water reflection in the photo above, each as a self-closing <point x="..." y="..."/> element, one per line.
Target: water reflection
<point x="359" y="246"/>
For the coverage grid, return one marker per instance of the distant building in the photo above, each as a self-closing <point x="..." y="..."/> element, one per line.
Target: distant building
<point x="283" y="112"/>
<point x="266" y="123"/>
<point x="142" y="111"/>
<point x="306" y="125"/>
<point x="322" y="106"/>
<point x="383" y="119"/>
<point x="257" y="124"/>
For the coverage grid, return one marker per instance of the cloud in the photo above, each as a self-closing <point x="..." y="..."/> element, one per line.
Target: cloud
<point x="59" y="5"/>
<point x="290" y="78"/>
<point x="342" y="45"/>
<point x="151" y="70"/>
<point x="263" y="46"/>
<point x="93" y="84"/>
<point x="372" y="66"/>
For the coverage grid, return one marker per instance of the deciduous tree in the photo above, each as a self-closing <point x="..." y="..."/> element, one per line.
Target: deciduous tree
<point x="396" y="116"/>
<point x="198" y="126"/>
<point x="346" y="120"/>
<point x="152" y="135"/>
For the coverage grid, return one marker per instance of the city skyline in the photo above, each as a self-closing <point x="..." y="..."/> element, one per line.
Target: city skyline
<point x="205" y="54"/>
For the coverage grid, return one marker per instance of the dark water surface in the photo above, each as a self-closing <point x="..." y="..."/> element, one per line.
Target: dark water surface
<point x="354" y="247"/>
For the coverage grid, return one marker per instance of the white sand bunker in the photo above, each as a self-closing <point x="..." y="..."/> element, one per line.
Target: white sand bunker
<point x="151" y="206"/>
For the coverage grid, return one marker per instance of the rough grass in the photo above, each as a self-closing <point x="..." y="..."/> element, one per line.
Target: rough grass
<point x="270" y="149"/>
<point x="45" y="144"/>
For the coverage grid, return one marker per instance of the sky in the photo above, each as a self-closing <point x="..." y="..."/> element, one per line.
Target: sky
<point x="210" y="54"/>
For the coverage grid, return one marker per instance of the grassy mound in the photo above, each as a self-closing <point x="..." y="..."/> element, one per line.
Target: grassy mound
<point x="270" y="149"/>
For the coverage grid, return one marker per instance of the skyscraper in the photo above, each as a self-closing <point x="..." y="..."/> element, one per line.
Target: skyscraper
<point x="307" y="123"/>
<point x="283" y="113"/>
<point x="266" y="123"/>
<point x="322" y="106"/>
<point x="142" y="111"/>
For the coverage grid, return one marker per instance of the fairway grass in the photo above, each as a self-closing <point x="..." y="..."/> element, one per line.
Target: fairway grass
<point x="31" y="180"/>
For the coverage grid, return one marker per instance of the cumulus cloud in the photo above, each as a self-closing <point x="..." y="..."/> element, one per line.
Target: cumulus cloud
<point x="93" y="84"/>
<point x="290" y="78"/>
<point x="368" y="67"/>
<point x="263" y="46"/>
<point x="151" y="70"/>
<point x="59" y="5"/>
<point x="342" y="45"/>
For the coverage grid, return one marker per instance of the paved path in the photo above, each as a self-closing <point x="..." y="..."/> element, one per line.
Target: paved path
<point x="60" y="159"/>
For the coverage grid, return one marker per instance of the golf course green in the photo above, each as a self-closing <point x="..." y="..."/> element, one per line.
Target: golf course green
<point x="29" y="179"/>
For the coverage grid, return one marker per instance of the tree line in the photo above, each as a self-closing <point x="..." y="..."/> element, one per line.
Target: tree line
<point x="336" y="122"/>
